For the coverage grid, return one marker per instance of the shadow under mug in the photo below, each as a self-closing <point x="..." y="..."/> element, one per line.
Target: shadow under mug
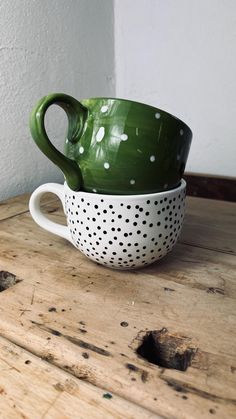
<point x="122" y="232"/>
<point x="115" y="146"/>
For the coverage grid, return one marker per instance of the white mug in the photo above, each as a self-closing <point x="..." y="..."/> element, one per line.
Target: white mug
<point x="118" y="231"/>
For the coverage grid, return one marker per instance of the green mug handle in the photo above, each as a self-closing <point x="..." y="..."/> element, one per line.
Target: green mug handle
<point x="77" y="115"/>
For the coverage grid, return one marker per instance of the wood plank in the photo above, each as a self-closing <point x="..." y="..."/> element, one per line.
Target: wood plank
<point x="20" y="204"/>
<point x="56" y="275"/>
<point x="188" y="265"/>
<point x="32" y="388"/>
<point x="210" y="224"/>
<point x="211" y="186"/>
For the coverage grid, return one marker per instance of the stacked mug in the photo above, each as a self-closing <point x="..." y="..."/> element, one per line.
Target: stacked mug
<point x="123" y="195"/>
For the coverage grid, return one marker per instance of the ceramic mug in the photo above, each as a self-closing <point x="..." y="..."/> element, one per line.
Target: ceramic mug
<point x="118" y="231"/>
<point x="115" y="146"/>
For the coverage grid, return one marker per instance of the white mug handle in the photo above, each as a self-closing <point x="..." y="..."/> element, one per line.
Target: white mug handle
<point x="39" y="217"/>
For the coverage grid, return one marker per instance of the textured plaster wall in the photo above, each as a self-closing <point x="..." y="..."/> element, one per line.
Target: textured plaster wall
<point x="47" y="46"/>
<point x="181" y="56"/>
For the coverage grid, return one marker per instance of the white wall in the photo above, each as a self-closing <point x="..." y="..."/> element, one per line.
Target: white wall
<point x="47" y="46"/>
<point x="181" y="56"/>
<point x="178" y="55"/>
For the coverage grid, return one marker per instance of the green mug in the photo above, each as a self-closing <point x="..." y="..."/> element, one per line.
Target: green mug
<point x="115" y="146"/>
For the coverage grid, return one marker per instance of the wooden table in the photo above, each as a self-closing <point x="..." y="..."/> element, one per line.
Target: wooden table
<point x="69" y="329"/>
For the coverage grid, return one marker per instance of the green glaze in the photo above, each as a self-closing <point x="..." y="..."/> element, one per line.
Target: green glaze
<point x="119" y="146"/>
<point x="77" y="115"/>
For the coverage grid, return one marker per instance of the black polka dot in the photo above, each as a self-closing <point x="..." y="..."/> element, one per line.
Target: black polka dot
<point x="138" y="220"/>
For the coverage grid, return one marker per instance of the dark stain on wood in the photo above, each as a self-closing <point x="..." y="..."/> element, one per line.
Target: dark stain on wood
<point x="52" y="309"/>
<point x="73" y="340"/>
<point x="85" y="355"/>
<point x="83" y="330"/>
<point x="188" y="388"/>
<point x="167" y="350"/>
<point x="169" y="289"/>
<point x="52" y="210"/>
<point x="58" y="386"/>
<point x="144" y="376"/>
<point x="107" y="396"/>
<point x="134" y="368"/>
<point x="177" y="387"/>
<point x="55" y="332"/>
<point x="86" y="345"/>
<point x="48" y="357"/>
<point x="214" y="290"/>
<point x="7" y="280"/>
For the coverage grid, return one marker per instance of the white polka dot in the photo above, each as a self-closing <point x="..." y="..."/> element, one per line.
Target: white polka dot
<point x="165" y="186"/>
<point x="95" y="190"/>
<point x="157" y="115"/>
<point x="136" y="131"/>
<point x="100" y="134"/>
<point x="81" y="150"/>
<point x="124" y="137"/>
<point x="181" y="132"/>
<point x="67" y="141"/>
<point x="104" y="109"/>
<point x="152" y="158"/>
<point x="106" y="165"/>
<point x="132" y="182"/>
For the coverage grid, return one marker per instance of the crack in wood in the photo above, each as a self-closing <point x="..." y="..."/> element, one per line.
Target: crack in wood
<point x="9" y="365"/>
<point x="51" y="405"/>
<point x="212" y="249"/>
<point x="32" y="297"/>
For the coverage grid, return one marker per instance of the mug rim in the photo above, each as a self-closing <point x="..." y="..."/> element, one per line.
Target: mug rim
<point x="129" y="197"/>
<point x="139" y="103"/>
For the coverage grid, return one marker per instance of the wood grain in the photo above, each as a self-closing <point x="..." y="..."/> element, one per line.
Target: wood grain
<point x="70" y="311"/>
<point x="210" y="224"/>
<point x="32" y="388"/>
<point x="20" y="204"/>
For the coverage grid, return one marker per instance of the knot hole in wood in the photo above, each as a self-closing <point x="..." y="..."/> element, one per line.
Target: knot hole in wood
<point x="167" y="350"/>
